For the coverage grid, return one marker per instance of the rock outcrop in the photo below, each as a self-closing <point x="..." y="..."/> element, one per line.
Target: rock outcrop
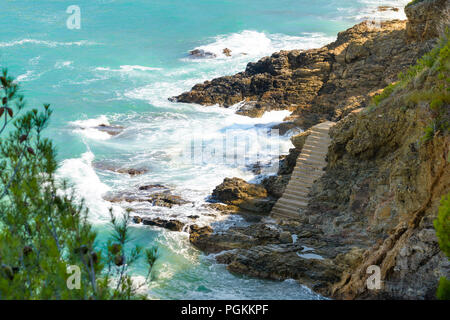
<point x="427" y="19"/>
<point x="172" y="224"/>
<point x="246" y="196"/>
<point x="318" y="84"/>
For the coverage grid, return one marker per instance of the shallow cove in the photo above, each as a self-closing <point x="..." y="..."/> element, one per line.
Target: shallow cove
<point x="120" y="68"/>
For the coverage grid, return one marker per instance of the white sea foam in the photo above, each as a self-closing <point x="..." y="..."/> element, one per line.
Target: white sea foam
<point x="253" y="43"/>
<point x="370" y="10"/>
<point x="128" y="68"/>
<point x="63" y="64"/>
<point x="28" y="76"/>
<point x="82" y="176"/>
<point x="87" y="128"/>
<point x="44" y="43"/>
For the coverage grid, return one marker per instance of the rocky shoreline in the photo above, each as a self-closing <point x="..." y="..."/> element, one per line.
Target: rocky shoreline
<point x="379" y="195"/>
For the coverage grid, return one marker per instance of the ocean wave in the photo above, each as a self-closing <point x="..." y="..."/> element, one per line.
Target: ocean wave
<point x="82" y="176"/>
<point x="63" y="64"/>
<point x="128" y="68"/>
<point x="87" y="128"/>
<point x="28" y="76"/>
<point x="44" y="43"/>
<point x="370" y="10"/>
<point x="253" y="43"/>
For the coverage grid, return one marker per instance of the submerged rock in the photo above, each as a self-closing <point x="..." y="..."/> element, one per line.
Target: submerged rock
<point x="166" y="200"/>
<point x="227" y="52"/>
<point x="114" y="168"/>
<point x="200" y="53"/>
<point x="160" y="199"/>
<point x="172" y="224"/>
<point x="319" y="84"/>
<point x="110" y="129"/>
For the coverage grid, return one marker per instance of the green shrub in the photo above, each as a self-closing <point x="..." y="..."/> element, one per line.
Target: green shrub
<point x="426" y="82"/>
<point x="43" y="230"/>
<point x="442" y="226"/>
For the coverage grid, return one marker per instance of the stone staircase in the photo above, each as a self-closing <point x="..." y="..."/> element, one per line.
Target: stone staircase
<point x="309" y="168"/>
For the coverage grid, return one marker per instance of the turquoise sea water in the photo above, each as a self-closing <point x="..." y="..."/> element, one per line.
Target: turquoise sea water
<point x="120" y="68"/>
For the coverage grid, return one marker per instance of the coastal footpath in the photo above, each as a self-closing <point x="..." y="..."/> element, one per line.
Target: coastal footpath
<point x="387" y="165"/>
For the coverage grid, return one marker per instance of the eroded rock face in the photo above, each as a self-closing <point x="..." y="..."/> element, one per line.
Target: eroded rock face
<point x="236" y="237"/>
<point x="381" y="190"/>
<point x="246" y="196"/>
<point x="319" y="84"/>
<point x="427" y="19"/>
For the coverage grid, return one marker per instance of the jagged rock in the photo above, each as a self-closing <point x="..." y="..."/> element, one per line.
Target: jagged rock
<point x="236" y="237"/>
<point x="235" y="190"/>
<point x="247" y="196"/>
<point x="223" y="208"/>
<point x="161" y="199"/>
<point x="279" y="263"/>
<point x="387" y="8"/>
<point x="172" y="225"/>
<point x="285" y="237"/>
<point x="197" y="236"/>
<point x="318" y="84"/>
<point x="110" y="129"/>
<point x="111" y="167"/>
<point x="153" y="187"/>
<point x="200" y="53"/>
<point x="137" y="219"/>
<point x="166" y="200"/>
<point x="275" y="185"/>
<point x="227" y="52"/>
<point x="427" y="19"/>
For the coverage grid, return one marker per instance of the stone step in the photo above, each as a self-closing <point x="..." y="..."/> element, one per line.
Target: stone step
<point x="293" y="203"/>
<point x="307" y="164"/>
<point x="308" y="174"/>
<point x="306" y="179"/>
<point x="312" y="162"/>
<point x="288" y="211"/>
<point x="296" y="193"/>
<point x="315" y="152"/>
<point x="320" y="130"/>
<point x="300" y="185"/>
<point x="319" y="134"/>
<point x="303" y="198"/>
<point x="292" y="208"/>
<point x="308" y="169"/>
<point x="305" y="176"/>
<point x="315" y="161"/>
<point x="318" y="139"/>
<point x="315" y="144"/>
<point x="279" y="213"/>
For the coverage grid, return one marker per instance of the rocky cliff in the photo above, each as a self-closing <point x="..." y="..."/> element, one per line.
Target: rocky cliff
<point x="388" y="163"/>
<point x="319" y="84"/>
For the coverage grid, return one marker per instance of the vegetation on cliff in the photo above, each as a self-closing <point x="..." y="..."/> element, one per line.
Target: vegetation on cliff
<point x="426" y="82"/>
<point x="442" y="225"/>
<point x="48" y="249"/>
